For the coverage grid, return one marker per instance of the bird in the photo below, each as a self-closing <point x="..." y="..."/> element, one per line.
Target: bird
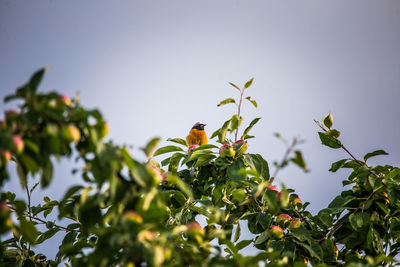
<point x="197" y="135"/>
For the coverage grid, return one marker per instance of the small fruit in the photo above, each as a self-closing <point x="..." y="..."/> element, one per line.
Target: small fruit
<point x="294" y="223"/>
<point x="146" y="235"/>
<point x="132" y="216"/>
<point x="191" y="147"/>
<point x="276" y="232"/>
<point x="18" y="144"/>
<point x="105" y="129"/>
<point x="226" y="151"/>
<point x="155" y="172"/>
<point x="272" y="187"/>
<point x="296" y="201"/>
<point x="6" y="156"/>
<point x="194" y="228"/>
<point x="240" y="147"/>
<point x="71" y="133"/>
<point x="66" y="100"/>
<point x="283" y="218"/>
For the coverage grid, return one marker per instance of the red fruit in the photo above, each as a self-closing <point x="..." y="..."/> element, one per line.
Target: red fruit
<point x="194" y="228"/>
<point x="18" y="143"/>
<point x="226" y="151"/>
<point x="272" y="187"/>
<point x="65" y="99"/>
<point x="294" y="223"/>
<point x="283" y="218"/>
<point x="164" y="176"/>
<point x="240" y="147"/>
<point x="276" y="232"/>
<point x="155" y="172"/>
<point x="132" y="216"/>
<point x="191" y="147"/>
<point x="71" y="133"/>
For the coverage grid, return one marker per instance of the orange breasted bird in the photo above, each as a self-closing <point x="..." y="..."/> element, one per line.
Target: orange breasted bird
<point x="197" y="135"/>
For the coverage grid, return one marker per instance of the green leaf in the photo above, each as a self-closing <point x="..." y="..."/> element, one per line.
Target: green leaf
<point x="233" y="171"/>
<point x="46" y="235"/>
<point x="337" y="165"/>
<point x="36" y="79"/>
<point x="237" y="233"/>
<point x="242" y="244"/>
<point x="167" y="149"/>
<point x="375" y="153"/>
<point x="224" y="130"/>
<point x="151" y="145"/>
<point x="248" y="84"/>
<point x="234" y="85"/>
<point x="28" y="230"/>
<point x="359" y="220"/>
<point x="178" y="141"/>
<point x="261" y="238"/>
<point x="330" y="141"/>
<point x="252" y="101"/>
<point x="173" y="179"/>
<point x="252" y="123"/>
<point x="174" y="161"/>
<point x="299" y="160"/>
<point x="47" y="174"/>
<point x="235" y="122"/>
<point x="333" y="132"/>
<point x="139" y="174"/>
<point x="256" y="162"/>
<point x="226" y="101"/>
<point x="328" y="120"/>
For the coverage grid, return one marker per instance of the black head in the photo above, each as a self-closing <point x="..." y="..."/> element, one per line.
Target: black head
<point x="199" y="126"/>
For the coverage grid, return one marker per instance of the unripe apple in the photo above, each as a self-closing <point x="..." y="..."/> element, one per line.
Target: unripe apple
<point x="6" y="156"/>
<point x="194" y="228"/>
<point x="165" y="176"/>
<point x="155" y="172"/>
<point x="296" y="201"/>
<point x="105" y="128"/>
<point x="147" y="235"/>
<point x="240" y="147"/>
<point x="4" y="210"/>
<point x="283" y="218"/>
<point x="294" y="223"/>
<point x="272" y="187"/>
<point x="191" y="147"/>
<point x="226" y="151"/>
<point x="65" y="99"/>
<point x="71" y="133"/>
<point x="276" y="232"/>
<point x="132" y="216"/>
<point x="18" y="144"/>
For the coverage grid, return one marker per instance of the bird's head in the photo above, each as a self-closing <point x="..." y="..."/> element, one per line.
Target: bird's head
<point x="199" y="126"/>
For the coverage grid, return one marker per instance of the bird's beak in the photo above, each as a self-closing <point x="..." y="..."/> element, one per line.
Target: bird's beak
<point x="204" y="124"/>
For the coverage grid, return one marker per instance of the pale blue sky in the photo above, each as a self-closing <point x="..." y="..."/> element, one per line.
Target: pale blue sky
<point x="155" y="68"/>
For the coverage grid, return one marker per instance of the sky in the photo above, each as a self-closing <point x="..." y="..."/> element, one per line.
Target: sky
<point x="154" y="68"/>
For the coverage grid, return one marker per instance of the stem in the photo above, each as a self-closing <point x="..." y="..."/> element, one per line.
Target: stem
<point x="239" y="106"/>
<point x="29" y="209"/>
<point x="285" y="157"/>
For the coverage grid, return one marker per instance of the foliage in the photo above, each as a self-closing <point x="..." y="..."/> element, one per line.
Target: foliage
<point x="132" y="213"/>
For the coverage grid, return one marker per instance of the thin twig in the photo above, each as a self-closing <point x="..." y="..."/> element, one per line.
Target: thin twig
<point x="239" y="106"/>
<point x="284" y="159"/>
<point x="29" y="209"/>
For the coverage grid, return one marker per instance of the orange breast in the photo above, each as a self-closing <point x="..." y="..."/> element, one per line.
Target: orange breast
<point x="197" y="137"/>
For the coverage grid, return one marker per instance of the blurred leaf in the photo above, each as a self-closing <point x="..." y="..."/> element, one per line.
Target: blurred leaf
<point x="173" y="179"/>
<point x="242" y="244"/>
<point x="328" y="120"/>
<point x="337" y="165"/>
<point x="262" y="238"/>
<point x="151" y="145"/>
<point x="248" y="84"/>
<point x="28" y="230"/>
<point x="256" y="162"/>
<point x="333" y="132"/>
<point x="226" y="101"/>
<point x="167" y="149"/>
<point x="224" y="130"/>
<point x="375" y="153"/>
<point x="178" y="141"/>
<point x="237" y="233"/>
<point x="174" y="161"/>
<point x="247" y="130"/>
<point x="36" y="79"/>
<point x="299" y="160"/>
<point x="359" y="220"/>
<point x="234" y="123"/>
<point x="234" y="85"/>
<point x="47" y="174"/>
<point x="329" y="140"/>
<point x="252" y="101"/>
